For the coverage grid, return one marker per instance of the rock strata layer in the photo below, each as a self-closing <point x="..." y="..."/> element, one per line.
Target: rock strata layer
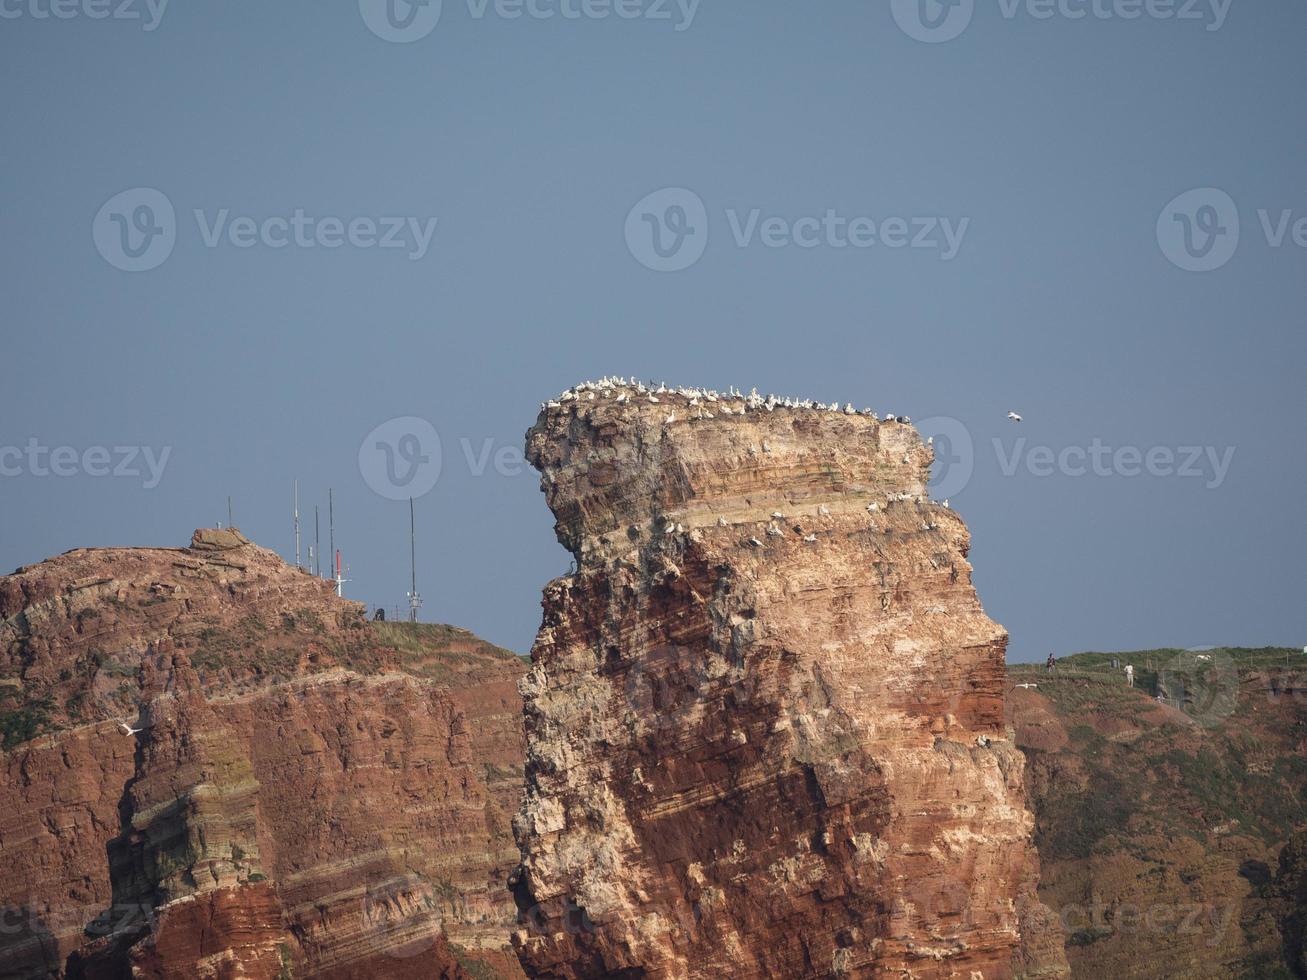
<point x="765" y="714"/>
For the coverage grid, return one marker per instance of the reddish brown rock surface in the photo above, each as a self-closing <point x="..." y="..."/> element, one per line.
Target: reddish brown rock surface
<point x="765" y="723"/>
<point x="310" y="795"/>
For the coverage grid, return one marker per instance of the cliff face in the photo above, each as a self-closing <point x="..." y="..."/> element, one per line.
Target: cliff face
<point x="1161" y="827"/>
<point x="765" y="715"/>
<point x="305" y="795"/>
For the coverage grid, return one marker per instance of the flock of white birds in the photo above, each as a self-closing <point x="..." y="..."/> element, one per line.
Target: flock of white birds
<point x="729" y="402"/>
<point x="732" y="401"/>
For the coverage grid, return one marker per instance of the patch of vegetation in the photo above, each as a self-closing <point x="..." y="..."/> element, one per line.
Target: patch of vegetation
<point x="75" y="706"/>
<point x="26" y="722"/>
<point x="475" y="968"/>
<point x="1086" y="937"/>
<point x="1071" y="825"/>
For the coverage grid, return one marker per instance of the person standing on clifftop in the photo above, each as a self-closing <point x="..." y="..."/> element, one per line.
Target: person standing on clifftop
<point x="1050" y="664"/>
<point x="1130" y="675"/>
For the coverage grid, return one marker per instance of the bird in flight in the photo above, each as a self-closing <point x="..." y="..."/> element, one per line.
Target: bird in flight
<point x="128" y="729"/>
<point x="1027" y="686"/>
<point x="1013" y="417"/>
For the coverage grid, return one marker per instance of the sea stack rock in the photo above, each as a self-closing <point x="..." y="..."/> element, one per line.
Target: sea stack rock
<point x="765" y="713"/>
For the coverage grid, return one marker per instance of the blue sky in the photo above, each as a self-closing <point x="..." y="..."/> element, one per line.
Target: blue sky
<point x="436" y="228"/>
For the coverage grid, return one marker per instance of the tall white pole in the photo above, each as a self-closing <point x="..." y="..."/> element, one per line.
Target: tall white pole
<point x="297" y="523"/>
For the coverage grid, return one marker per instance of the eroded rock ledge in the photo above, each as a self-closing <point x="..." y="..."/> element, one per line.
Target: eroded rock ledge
<point x="765" y="714"/>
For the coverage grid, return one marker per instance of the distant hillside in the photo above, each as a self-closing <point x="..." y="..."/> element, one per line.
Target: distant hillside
<point x="1160" y="822"/>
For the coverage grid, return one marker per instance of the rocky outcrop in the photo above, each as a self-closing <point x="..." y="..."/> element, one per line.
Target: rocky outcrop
<point x="307" y="795"/>
<point x="765" y="714"/>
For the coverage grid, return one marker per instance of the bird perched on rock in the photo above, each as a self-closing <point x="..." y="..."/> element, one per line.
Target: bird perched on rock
<point x="721" y="522"/>
<point x="755" y="542"/>
<point x="810" y="538"/>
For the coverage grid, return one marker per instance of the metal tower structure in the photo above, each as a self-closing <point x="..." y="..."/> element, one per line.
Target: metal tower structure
<point x="414" y="600"/>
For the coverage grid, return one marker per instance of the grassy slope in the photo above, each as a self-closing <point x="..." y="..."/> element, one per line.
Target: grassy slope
<point x="1180" y="807"/>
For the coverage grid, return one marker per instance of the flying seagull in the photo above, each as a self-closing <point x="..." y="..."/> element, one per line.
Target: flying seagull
<point x="128" y="730"/>
<point x="1013" y="417"/>
<point x="1027" y="686"/>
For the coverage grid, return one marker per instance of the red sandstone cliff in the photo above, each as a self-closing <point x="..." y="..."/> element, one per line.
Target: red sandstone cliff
<point x="310" y="795"/>
<point x="765" y="715"/>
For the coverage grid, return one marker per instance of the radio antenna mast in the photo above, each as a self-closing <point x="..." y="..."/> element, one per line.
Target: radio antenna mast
<point x="340" y="580"/>
<point x="414" y="600"/>
<point x="331" y="523"/>
<point x="297" y="523"/>
<point x="317" y="544"/>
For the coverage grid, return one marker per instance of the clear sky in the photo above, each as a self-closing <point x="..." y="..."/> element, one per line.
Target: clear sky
<point x="274" y="333"/>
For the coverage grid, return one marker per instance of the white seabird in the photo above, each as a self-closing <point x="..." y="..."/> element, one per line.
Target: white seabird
<point x="1013" y="417"/>
<point x="128" y="729"/>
